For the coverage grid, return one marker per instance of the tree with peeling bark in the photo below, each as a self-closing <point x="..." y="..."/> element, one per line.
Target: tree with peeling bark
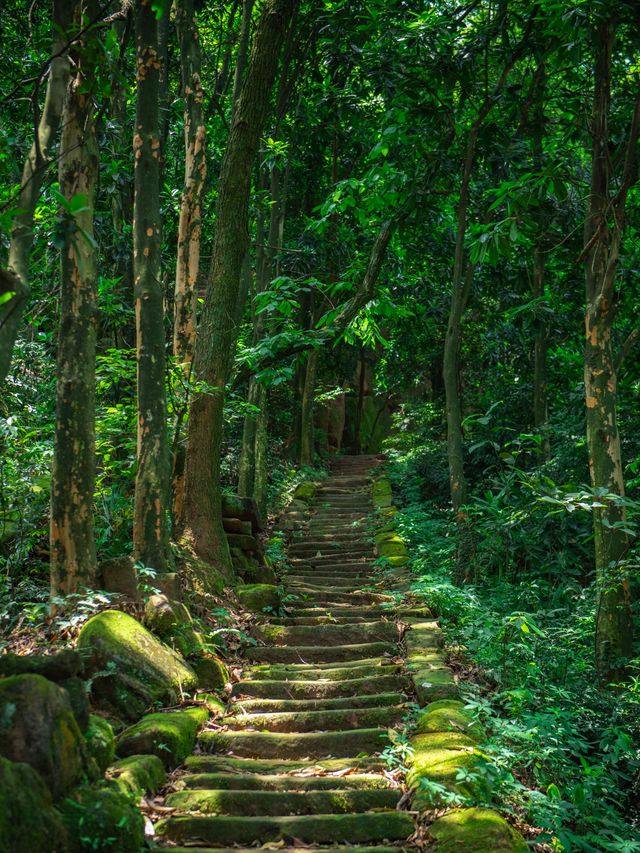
<point x="73" y="552"/>
<point x="151" y="510"/>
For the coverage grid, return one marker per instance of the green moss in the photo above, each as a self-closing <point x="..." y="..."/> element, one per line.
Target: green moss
<point x="101" y="741"/>
<point x="475" y="831"/>
<point x="28" y="821"/>
<point x="37" y="726"/>
<point x="137" y="775"/>
<point x="259" y="597"/>
<point x="305" y="492"/>
<point x="171" y="736"/>
<point x="133" y="668"/>
<point x="211" y="672"/>
<point x="432" y="684"/>
<point x="437" y="757"/>
<point x="448" y="715"/>
<point x="103" y="819"/>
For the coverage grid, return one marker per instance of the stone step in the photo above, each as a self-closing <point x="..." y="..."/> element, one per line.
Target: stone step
<point x="307" y="829"/>
<point x="351" y="582"/>
<point x="319" y="689"/>
<point x="334" y="744"/>
<point x="327" y="635"/>
<point x="270" y="705"/>
<point x="341" y="611"/>
<point x="331" y="720"/>
<point x="319" y="620"/>
<point x="275" y="766"/>
<point x="283" y="782"/>
<point x="348" y="849"/>
<point x="309" y="594"/>
<point x="256" y="803"/>
<point x="339" y="671"/>
<point x="320" y="654"/>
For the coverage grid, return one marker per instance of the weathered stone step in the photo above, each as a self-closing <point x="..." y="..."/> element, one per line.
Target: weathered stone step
<point x="331" y="720"/>
<point x="372" y="700"/>
<point x="320" y="689"/>
<point x="283" y="782"/>
<point x="337" y="566"/>
<point x="319" y="620"/>
<point x="320" y="654"/>
<point x="342" y="611"/>
<point x="324" y="849"/>
<point x="336" y="744"/>
<point x="328" y="549"/>
<point x="273" y="766"/>
<point x="308" y="829"/>
<point x="350" y="582"/>
<point x="326" y="635"/>
<point x="256" y="803"/>
<point x="333" y="536"/>
<point x="307" y="593"/>
<point x="337" y="670"/>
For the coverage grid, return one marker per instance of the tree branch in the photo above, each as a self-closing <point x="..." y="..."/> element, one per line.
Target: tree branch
<point x="628" y="344"/>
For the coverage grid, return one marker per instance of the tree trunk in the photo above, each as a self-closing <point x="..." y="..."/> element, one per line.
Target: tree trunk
<point x="151" y="516"/>
<point x="602" y="236"/>
<point x="73" y="554"/>
<point x="202" y="524"/>
<point x="247" y="463"/>
<point x="306" y="412"/>
<point x="260" y="475"/>
<point x="33" y="173"/>
<point x="540" y="396"/>
<point x="195" y="171"/>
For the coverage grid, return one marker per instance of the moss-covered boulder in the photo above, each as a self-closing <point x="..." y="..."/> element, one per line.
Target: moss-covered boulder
<point x="137" y="775"/>
<point x="475" y="831"/>
<point x="173" y="623"/>
<point x="132" y="668"/>
<point x="37" y="726"/>
<point x="391" y="545"/>
<point x="448" y="715"/>
<point x="211" y="672"/>
<point x="259" y="597"/>
<point x="28" y="821"/>
<point x="171" y="735"/>
<point x="305" y="492"/>
<point x="381" y="492"/>
<point x="101" y="741"/>
<point x="103" y="819"/>
<point x="434" y="683"/>
<point x="437" y="757"/>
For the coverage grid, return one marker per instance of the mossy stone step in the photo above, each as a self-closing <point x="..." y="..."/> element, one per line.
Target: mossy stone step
<point x="312" y="654"/>
<point x="328" y="634"/>
<point x="340" y="610"/>
<point x="282" y="782"/>
<point x="305" y="767"/>
<point x="349" y="583"/>
<point x="328" y="672"/>
<point x="310" y="594"/>
<point x="347" y="849"/>
<point x="255" y="803"/>
<point x="322" y="619"/>
<point x="317" y="721"/>
<point x="314" y="689"/>
<point x="336" y="744"/>
<point x="375" y="700"/>
<point x="309" y="829"/>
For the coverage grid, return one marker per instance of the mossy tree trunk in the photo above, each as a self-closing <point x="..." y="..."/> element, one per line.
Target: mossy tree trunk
<point x="33" y="174"/>
<point x="202" y="522"/>
<point x="602" y="238"/>
<point x="73" y="553"/>
<point x="151" y="510"/>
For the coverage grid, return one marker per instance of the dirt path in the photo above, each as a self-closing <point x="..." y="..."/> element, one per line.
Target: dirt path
<point x="298" y="760"/>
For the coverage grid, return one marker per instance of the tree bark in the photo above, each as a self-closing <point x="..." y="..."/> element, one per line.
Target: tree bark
<point x="540" y="338"/>
<point x="151" y="510"/>
<point x="202" y="523"/>
<point x="195" y="172"/>
<point x="602" y="238"/>
<point x="35" y="167"/>
<point x="73" y="554"/>
<point x="306" y="414"/>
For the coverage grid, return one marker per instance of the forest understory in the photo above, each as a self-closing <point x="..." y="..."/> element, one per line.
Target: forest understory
<point x="319" y="426"/>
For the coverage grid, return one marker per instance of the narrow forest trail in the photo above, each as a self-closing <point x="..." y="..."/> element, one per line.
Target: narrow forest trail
<point x="297" y="761"/>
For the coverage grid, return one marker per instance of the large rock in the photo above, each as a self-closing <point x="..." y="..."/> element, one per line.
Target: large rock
<point x="131" y="668"/>
<point x="119" y="575"/>
<point x="259" y="597"/>
<point x="28" y="821"/>
<point x="475" y="831"/>
<point x="246" y="509"/>
<point x="64" y="664"/>
<point x="137" y="775"/>
<point x="170" y="735"/>
<point x="37" y="726"/>
<point x="101" y="741"/>
<point x="103" y="819"/>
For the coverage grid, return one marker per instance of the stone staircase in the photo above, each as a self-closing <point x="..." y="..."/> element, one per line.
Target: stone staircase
<point x="296" y="761"/>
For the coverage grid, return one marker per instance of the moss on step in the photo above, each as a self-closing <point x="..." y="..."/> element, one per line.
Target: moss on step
<point x="337" y="744"/>
<point x="320" y="720"/>
<point x="255" y="803"/>
<point x="475" y="831"/>
<point x="319" y="829"/>
<point x="448" y="715"/>
<point x="333" y="849"/>
<point x="137" y="775"/>
<point x="321" y="654"/>
<point x="28" y="821"/>
<point x="230" y="764"/>
<point x="437" y="757"/>
<point x="259" y="597"/>
<point x="132" y="668"/>
<point x="101" y="741"/>
<point x="376" y="700"/>
<point x="328" y="634"/>
<point x="305" y="492"/>
<point x="103" y="819"/>
<point x="211" y="672"/>
<point x="281" y="782"/>
<point x="171" y="735"/>
<point x="433" y="684"/>
<point x="307" y="688"/>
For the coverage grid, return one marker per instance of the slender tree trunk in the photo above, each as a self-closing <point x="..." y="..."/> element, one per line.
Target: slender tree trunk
<point x="202" y="525"/>
<point x="603" y="229"/>
<point x="33" y="173"/>
<point x="260" y="453"/>
<point x="247" y="463"/>
<point x="195" y="171"/>
<point x="307" y="431"/>
<point x="151" y="516"/>
<point x="541" y="332"/>
<point x="73" y="554"/>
